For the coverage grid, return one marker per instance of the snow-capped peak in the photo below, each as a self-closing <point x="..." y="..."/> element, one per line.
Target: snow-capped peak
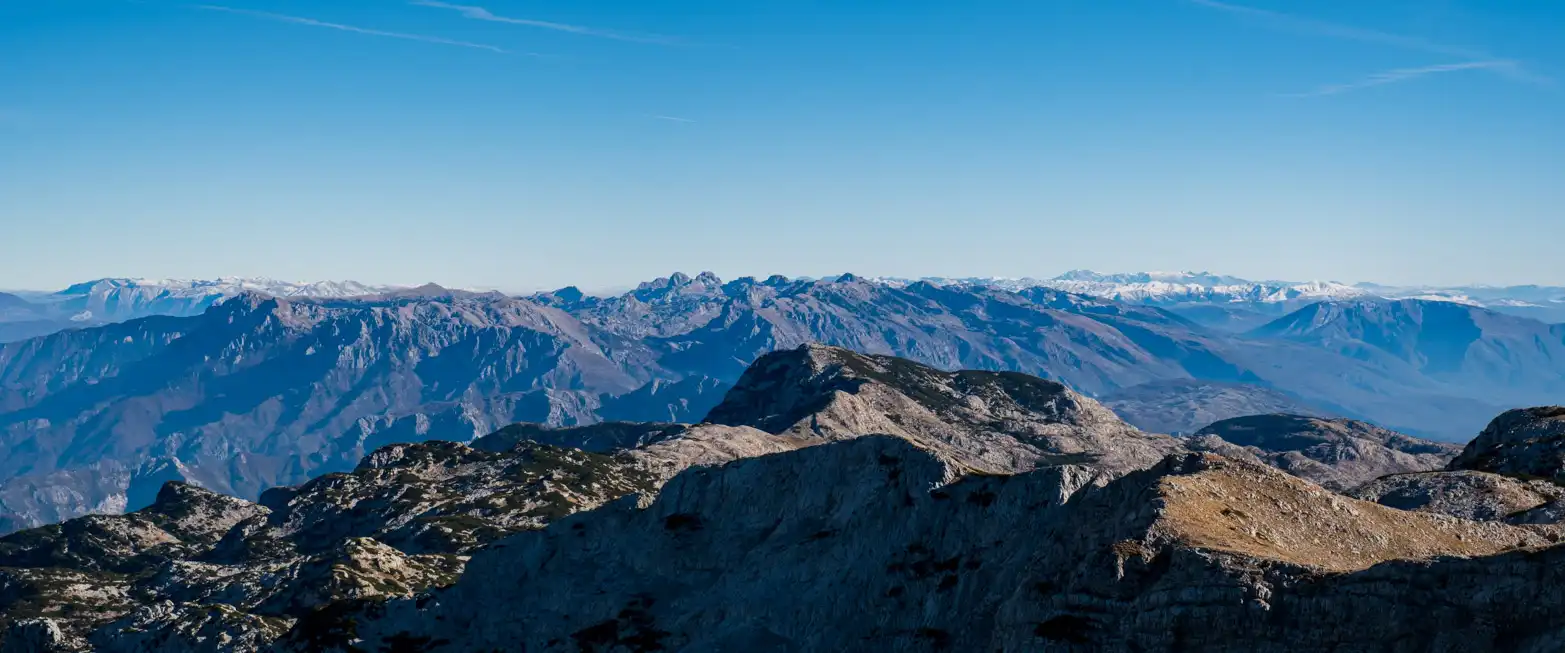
<point x="224" y="286"/>
<point x="1202" y="278"/>
<point x="1163" y="287"/>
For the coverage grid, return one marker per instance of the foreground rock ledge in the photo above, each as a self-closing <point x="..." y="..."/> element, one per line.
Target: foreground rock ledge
<point x="871" y="544"/>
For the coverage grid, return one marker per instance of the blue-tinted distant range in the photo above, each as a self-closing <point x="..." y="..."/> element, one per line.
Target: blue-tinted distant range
<point x="1218" y="301"/>
<point x="925" y="424"/>
<point x="108" y="388"/>
<point x="479" y="144"/>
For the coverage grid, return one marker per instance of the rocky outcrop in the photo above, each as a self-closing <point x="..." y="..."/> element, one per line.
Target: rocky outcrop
<point x="706" y="445"/>
<point x="1524" y="442"/>
<point x="876" y="543"/>
<point x="167" y="627"/>
<point x="1514" y="471"/>
<point x="993" y="422"/>
<point x="443" y="497"/>
<point x="226" y="574"/>
<point x="599" y="438"/>
<point x="39" y="636"/>
<point x="85" y="572"/>
<point x="1339" y="454"/>
<point x="200" y="571"/>
<point x="69" y="601"/>
<point x="184" y="521"/>
<point x="1467" y="494"/>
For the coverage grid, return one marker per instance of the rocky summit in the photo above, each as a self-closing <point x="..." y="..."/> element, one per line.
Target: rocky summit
<point x="836" y="501"/>
<point x="991" y="422"/>
<point x="876" y="544"/>
<point x="1528" y="441"/>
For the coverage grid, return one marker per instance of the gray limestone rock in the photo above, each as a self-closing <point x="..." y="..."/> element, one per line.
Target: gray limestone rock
<point x="1468" y="495"/>
<point x="993" y="422"/>
<point x="40" y="635"/>
<point x="873" y="543"/>
<point x="1522" y="442"/>
<point x="1339" y="454"/>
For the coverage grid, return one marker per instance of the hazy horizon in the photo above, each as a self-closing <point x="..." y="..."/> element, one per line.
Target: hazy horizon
<point x="627" y="285"/>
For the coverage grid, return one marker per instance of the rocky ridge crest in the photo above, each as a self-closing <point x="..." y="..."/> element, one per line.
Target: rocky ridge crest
<point x="874" y="542"/>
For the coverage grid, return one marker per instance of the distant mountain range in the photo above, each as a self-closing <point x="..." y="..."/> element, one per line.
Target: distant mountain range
<point x="1221" y="300"/>
<point x="259" y="390"/>
<point x="103" y="301"/>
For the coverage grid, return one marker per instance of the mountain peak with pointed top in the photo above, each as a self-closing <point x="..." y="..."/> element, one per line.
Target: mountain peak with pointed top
<point x="818" y="391"/>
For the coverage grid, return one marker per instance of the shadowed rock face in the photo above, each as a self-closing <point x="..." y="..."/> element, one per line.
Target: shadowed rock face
<point x="875" y="542"/>
<point x="1339" y="454"/>
<point x="1523" y="442"/>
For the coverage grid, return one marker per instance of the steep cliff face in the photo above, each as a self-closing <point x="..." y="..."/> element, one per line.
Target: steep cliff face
<point x="875" y="543"/>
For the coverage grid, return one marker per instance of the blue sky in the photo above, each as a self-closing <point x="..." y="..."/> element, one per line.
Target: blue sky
<point x="524" y="144"/>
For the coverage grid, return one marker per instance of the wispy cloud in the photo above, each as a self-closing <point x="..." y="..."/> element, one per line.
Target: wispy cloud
<point x="357" y="30"/>
<point x="480" y="13"/>
<point x="1402" y="75"/>
<point x="1333" y="30"/>
<point x="1476" y="58"/>
<point x="674" y="119"/>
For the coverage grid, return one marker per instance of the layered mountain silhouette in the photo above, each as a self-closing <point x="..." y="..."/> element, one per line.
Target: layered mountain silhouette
<point x="21" y="319"/>
<point x="104" y="301"/>
<point x="832" y="501"/>
<point x="260" y="391"/>
<point x="1455" y="343"/>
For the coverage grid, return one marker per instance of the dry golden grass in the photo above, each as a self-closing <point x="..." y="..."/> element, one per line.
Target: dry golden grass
<point x="1260" y="512"/>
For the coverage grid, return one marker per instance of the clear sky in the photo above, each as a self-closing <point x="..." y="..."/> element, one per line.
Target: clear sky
<point x="525" y="144"/>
